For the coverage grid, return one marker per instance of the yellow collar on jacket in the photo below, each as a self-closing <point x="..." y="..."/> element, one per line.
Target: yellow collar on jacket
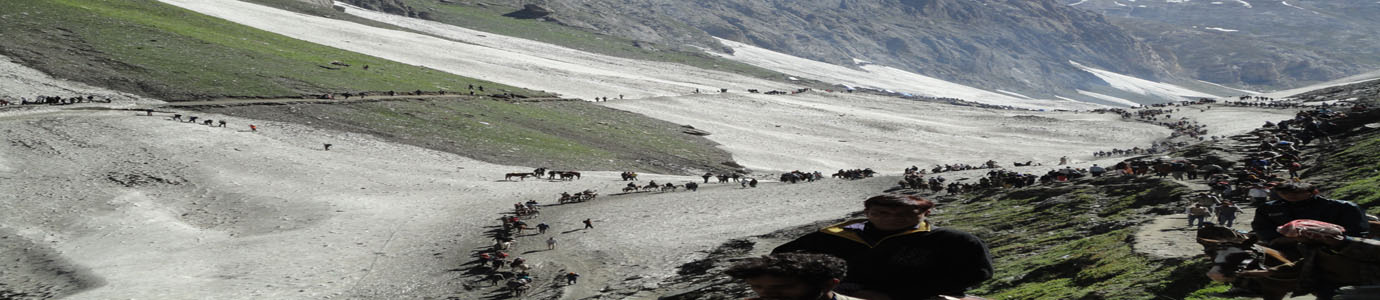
<point x="850" y="229"/>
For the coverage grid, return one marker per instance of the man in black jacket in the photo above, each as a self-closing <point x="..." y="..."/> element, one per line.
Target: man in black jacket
<point x="1301" y="201"/>
<point x="895" y="254"/>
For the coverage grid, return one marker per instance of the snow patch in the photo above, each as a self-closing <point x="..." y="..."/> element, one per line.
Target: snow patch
<point x="1164" y="91"/>
<point x="881" y="78"/>
<point x="1013" y="94"/>
<point x="1108" y="98"/>
<point x="1231" y="88"/>
<point x="1364" y="77"/>
<point x="1220" y="29"/>
<point x="1286" y="3"/>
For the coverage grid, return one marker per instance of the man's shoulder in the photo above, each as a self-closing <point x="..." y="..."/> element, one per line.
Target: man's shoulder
<point x="1337" y="202"/>
<point x="943" y="234"/>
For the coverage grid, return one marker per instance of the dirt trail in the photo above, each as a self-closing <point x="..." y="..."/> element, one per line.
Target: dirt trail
<point x="1169" y="236"/>
<point x="340" y="99"/>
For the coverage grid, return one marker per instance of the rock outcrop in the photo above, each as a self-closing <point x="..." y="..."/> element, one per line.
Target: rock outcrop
<point x="1255" y="44"/>
<point x="530" y="11"/>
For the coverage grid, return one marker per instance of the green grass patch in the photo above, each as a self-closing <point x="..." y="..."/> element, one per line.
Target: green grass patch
<point x="1212" y="291"/>
<point x="154" y="49"/>
<point x="1357" y="169"/>
<point x="1072" y="241"/>
<point x="565" y="135"/>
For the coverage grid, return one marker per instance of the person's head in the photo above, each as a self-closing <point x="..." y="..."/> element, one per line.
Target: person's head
<point x="1296" y="191"/>
<point x="791" y="276"/>
<point x="896" y="212"/>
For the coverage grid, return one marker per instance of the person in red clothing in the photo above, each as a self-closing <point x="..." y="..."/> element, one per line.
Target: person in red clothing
<point x="895" y="254"/>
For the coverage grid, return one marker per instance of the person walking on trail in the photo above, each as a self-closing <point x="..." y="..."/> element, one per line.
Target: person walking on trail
<point x="792" y="276"/>
<point x="1226" y="214"/>
<point x="886" y="250"/>
<point x="542" y="227"/>
<point x="328" y="147"/>
<point x="1259" y="194"/>
<point x="1198" y="212"/>
<point x="589" y="224"/>
<point x="1096" y="170"/>
<point x="571" y="278"/>
<point x="1209" y="201"/>
<point x="551" y="243"/>
<point x="253" y="128"/>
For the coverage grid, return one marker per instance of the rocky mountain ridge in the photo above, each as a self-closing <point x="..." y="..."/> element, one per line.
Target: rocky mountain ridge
<point x="1014" y="45"/>
<point x="1026" y="46"/>
<point x="1017" y="45"/>
<point x="1258" y="44"/>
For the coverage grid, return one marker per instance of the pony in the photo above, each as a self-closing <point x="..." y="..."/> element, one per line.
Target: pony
<point x="569" y="175"/>
<point x="668" y="186"/>
<point x="518" y="287"/>
<point x="1233" y="252"/>
<point x="522" y="176"/>
<point x="691" y="186"/>
<point x="1237" y="258"/>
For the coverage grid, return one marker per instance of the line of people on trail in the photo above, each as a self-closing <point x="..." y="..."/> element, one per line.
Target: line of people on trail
<point x="491" y="262"/>
<point x="1324" y="253"/>
<point x="194" y="119"/>
<point x="797" y="176"/>
<point x="990" y="164"/>
<point x="668" y="187"/>
<point x="586" y="195"/>
<point x="1277" y="157"/>
<point x="54" y="100"/>
<point x="853" y="174"/>
<point x="1266" y="102"/>
<point x="723" y="178"/>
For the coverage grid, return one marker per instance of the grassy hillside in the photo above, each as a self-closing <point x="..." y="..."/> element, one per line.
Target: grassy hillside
<point x="1349" y="168"/>
<point x="149" y="48"/>
<point x="1354" y="172"/>
<point x="1072" y="241"/>
<point x="560" y="134"/>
